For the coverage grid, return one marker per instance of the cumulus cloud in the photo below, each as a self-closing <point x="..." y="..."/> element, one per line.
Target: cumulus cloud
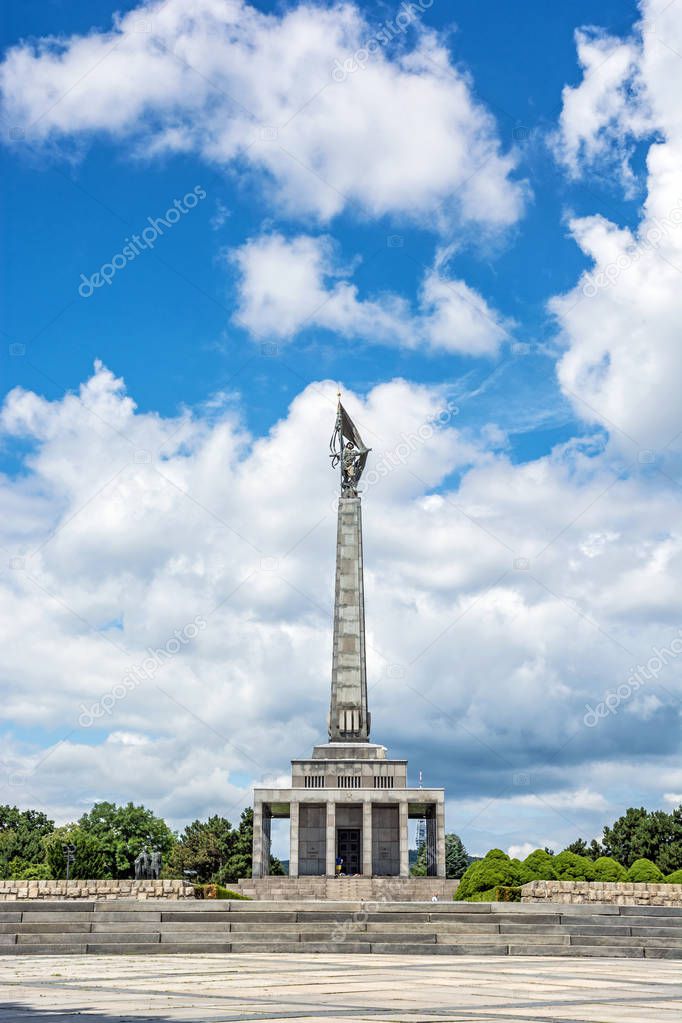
<point x="620" y="324"/>
<point x="402" y="134"/>
<point x="603" y="115"/>
<point x="489" y="626"/>
<point x="290" y="285"/>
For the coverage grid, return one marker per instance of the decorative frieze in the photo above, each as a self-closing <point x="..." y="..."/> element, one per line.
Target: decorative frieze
<point x="618" y="893"/>
<point x="11" y="891"/>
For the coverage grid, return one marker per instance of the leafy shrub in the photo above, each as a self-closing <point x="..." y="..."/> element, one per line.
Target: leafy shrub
<point x="644" y="872"/>
<point x="608" y="869"/>
<point x="216" y="891"/>
<point x="486" y="896"/>
<point x="507" y="893"/>
<point x="90" y="863"/>
<point x="570" y="867"/>
<point x="538" y="866"/>
<point x="485" y="875"/>
<point x="21" y="870"/>
<point x="674" y="878"/>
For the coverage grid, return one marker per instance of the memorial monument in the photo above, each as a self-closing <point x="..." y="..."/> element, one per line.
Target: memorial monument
<point x="349" y="804"/>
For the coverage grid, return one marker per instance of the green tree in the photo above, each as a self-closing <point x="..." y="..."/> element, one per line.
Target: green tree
<point x="642" y="834"/>
<point x="580" y="847"/>
<point x="122" y="832"/>
<point x="240" y="862"/>
<point x="22" y="870"/>
<point x="204" y="846"/>
<point x="456" y="858"/>
<point x="90" y="861"/>
<point x="22" y="833"/>
<point x="669" y="856"/>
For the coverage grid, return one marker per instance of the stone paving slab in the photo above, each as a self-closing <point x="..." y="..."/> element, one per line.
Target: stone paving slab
<point x="325" y="988"/>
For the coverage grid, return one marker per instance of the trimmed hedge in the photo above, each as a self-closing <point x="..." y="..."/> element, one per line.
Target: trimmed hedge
<point x="484" y="876"/>
<point x="217" y="891"/>
<point x="608" y="869"/>
<point x="645" y="872"/>
<point x="571" y="867"/>
<point x="538" y="866"/>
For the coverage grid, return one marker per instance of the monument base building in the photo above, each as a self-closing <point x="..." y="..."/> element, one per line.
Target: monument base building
<point x="349" y="805"/>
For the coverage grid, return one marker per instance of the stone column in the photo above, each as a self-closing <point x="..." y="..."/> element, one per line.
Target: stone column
<point x="440" y="839"/>
<point x="404" y="840"/>
<point x="348" y="716"/>
<point x="367" y="839"/>
<point x="257" y="865"/>
<point x="293" y="839"/>
<point x="331" y="838"/>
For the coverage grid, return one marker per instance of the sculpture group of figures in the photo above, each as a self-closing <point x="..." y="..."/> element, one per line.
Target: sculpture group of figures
<point x="148" y="866"/>
<point x="348" y="449"/>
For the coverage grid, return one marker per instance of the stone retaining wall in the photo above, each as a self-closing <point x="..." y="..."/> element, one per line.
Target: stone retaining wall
<point x="616" y="893"/>
<point x="12" y="890"/>
<point x="347" y="889"/>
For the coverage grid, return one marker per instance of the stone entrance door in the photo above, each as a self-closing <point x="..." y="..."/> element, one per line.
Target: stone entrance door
<point x="349" y="849"/>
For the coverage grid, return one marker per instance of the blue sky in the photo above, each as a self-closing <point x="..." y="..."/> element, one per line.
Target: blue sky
<point x="424" y="232"/>
<point x="173" y="312"/>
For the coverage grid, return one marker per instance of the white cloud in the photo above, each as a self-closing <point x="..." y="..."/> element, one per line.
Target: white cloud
<point x="620" y="324"/>
<point x="603" y="115"/>
<point x="481" y="663"/>
<point x="241" y="88"/>
<point x="289" y="285"/>
<point x="519" y="852"/>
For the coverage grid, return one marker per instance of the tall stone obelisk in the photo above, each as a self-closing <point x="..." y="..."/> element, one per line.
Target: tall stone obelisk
<point x="349" y="804"/>
<point x="349" y="719"/>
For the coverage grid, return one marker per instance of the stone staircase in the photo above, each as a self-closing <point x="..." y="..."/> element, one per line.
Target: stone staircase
<point x="347" y="889"/>
<point x="55" y="928"/>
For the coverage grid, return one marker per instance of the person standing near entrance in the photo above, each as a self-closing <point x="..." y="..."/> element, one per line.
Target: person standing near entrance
<point x="339" y="865"/>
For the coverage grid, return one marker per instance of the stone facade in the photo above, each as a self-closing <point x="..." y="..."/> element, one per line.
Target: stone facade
<point x="92" y="890"/>
<point x="610" y="892"/>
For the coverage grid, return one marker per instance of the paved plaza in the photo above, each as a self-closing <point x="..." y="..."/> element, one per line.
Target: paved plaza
<point x="212" y="988"/>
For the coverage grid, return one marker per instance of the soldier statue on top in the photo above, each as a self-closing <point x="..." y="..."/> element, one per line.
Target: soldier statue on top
<point x="347" y="450"/>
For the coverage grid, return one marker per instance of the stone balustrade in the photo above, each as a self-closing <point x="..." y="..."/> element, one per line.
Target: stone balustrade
<point x="13" y="890"/>
<point x="618" y="893"/>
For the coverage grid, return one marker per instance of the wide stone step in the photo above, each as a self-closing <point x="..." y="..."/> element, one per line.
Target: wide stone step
<point x="611" y="951"/>
<point x="410" y="948"/>
<point x="129" y="916"/>
<point x="597" y="939"/>
<point x="465" y="927"/>
<point x="31" y="916"/>
<point x="46" y="950"/>
<point x="322" y="947"/>
<point x="71" y="938"/>
<point x="46" y="927"/>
